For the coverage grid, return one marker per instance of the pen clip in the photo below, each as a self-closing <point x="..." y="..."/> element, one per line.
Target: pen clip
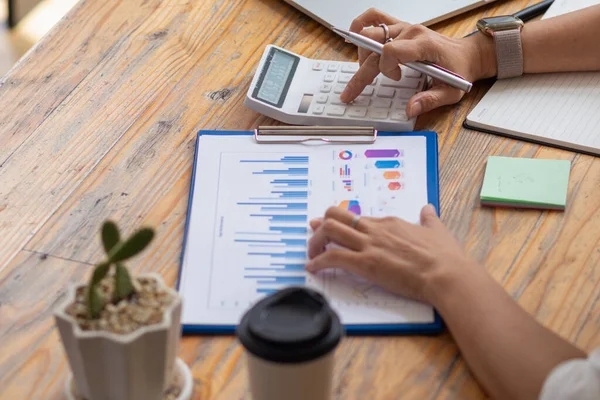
<point x="325" y="134"/>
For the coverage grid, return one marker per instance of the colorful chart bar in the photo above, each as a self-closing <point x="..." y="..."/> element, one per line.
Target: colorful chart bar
<point x="387" y="164"/>
<point x="347" y="184"/>
<point x="392" y="175"/>
<point x="383" y="153"/>
<point x="345" y="171"/>
<point x="394" y="186"/>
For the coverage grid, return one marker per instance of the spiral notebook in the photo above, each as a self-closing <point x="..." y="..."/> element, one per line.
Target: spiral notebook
<point x="559" y="109"/>
<point x="252" y="196"/>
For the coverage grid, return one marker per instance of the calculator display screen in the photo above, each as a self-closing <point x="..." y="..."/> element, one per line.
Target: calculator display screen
<point x="276" y="77"/>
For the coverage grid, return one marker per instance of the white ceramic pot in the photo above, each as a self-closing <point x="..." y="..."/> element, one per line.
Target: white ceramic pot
<point x="136" y="366"/>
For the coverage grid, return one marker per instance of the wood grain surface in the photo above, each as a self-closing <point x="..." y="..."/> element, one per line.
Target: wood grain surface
<point x="99" y="120"/>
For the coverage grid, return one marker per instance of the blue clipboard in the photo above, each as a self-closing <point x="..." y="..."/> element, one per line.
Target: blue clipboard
<point x="433" y="192"/>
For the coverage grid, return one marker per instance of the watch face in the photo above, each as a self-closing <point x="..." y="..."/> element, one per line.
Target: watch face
<point x="502" y="23"/>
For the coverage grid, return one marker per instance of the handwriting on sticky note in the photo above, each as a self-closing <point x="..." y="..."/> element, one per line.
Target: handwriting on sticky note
<point x="526" y="181"/>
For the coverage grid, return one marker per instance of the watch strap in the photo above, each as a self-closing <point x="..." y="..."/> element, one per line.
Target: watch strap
<point x="509" y="53"/>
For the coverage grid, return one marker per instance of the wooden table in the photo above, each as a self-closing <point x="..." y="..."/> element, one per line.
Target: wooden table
<point x="99" y="120"/>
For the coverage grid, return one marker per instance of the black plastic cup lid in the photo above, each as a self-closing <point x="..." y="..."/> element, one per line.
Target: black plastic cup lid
<point x="293" y="325"/>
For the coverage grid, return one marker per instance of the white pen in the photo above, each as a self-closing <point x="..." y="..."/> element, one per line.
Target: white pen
<point x="427" y="68"/>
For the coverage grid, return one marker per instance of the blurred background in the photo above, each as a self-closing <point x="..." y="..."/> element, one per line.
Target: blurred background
<point x="30" y="20"/>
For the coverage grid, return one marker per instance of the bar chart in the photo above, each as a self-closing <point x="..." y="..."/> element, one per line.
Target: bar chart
<point x="265" y="243"/>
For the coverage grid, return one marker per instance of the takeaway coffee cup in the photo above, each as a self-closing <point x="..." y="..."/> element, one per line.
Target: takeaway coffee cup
<point x="290" y="338"/>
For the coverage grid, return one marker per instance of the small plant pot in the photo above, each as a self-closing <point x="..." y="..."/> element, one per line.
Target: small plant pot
<point x="136" y="366"/>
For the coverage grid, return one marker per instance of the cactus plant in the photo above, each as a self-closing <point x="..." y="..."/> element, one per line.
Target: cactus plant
<point x="117" y="251"/>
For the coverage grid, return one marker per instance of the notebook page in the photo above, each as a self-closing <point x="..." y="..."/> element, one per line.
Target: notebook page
<point x="560" y="109"/>
<point x="560" y="7"/>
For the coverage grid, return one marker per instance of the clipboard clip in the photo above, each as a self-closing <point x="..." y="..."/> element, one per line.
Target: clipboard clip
<point x="325" y="134"/>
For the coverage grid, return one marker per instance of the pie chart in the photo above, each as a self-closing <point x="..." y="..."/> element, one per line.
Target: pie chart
<point x="351" y="205"/>
<point x="345" y="155"/>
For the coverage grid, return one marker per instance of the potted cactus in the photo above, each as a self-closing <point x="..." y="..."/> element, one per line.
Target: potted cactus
<point x="121" y="333"/>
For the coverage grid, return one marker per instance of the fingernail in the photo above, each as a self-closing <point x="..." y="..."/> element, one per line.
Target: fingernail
<point x="415" y="109"/>
<point x="309" y="266"/>
<point x="430" y="209"/>
<point x="347" y="41"/>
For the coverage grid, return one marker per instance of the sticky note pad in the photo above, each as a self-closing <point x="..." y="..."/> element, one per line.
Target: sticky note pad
<point x="526" y="182"/>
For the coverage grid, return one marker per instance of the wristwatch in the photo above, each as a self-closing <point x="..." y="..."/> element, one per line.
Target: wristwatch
<point x="506" y="31"/>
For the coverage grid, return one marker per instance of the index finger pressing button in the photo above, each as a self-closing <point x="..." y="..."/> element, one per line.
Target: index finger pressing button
<point x="349" y="68"/>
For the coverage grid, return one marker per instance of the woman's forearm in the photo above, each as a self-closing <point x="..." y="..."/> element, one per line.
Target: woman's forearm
<point x="569" y="42"/>
<point x="507" y="350"/>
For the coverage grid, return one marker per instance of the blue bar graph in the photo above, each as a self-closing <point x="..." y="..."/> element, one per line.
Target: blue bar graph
<point x="289" y="242"/>
<point x="266" y="291"/>
<point x="295" y="183"/>
<point x="283" y="280"/>
<point x="291" y="194"/>
<point x="278" y="267"/>
<point x="278" y="206"/>
<point x="283" y="217"/>
<point x="289" y="171"/>
<point x="287" y="280"/>
<point x="275" y="237"/>
<point x="289" y="229"/>
<point x="286" y="254"/>
<point x="283" y="160"/>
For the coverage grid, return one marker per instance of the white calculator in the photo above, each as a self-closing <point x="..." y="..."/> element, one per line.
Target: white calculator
<point x="301" y="91"/>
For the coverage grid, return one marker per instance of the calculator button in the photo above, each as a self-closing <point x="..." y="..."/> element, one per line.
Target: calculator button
<point x="398" y="116"/>
<point x="335" y="110"/>
<point x="368" y="91"/>
<point x="357" y="112"/>
<point x="318" y="66"/>
<point x="362" y="101"/>
<point x="399" y="104"/>
<point x="350" y="68"/>
<point x="322" y="98"/>
<point x="409" y="83"/>
<point x="404" y="93"/>
<point x="385" y="92"/>
<point x="329" y="77"/>
<point x="410" y="73"/>
<point x="385" y="81"/>
<point x="335" y="99"/>
<point x="378" y="113"/>
<point x="381" y="103"/>
<point x="333" y="67"/>
<point x="318" y="109"/>
<point x="339" y="88"/>
<point x="325" y="88"/>
<point x="344" y="78"/>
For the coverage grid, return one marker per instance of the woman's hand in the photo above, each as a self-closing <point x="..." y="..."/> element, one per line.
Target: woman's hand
<point x="473" y="58"/>
<point x="401" y="257"/>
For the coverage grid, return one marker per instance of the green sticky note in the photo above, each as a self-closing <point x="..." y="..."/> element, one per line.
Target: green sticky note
<point x="526" y="182"/>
